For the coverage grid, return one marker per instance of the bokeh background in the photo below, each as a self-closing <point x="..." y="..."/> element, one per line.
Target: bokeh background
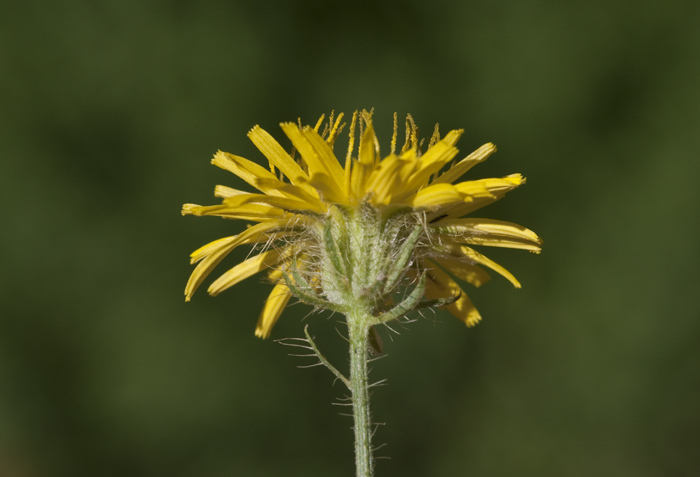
<point x="109" y="114"/>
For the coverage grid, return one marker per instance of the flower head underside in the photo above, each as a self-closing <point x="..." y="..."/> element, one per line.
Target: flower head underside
<point x="364" y="232"/>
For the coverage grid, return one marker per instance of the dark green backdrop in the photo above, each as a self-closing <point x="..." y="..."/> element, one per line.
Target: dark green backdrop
<point x="109" y="114"/>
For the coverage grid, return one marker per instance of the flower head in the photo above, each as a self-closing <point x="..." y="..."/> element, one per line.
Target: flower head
<point x="363" y="233"/>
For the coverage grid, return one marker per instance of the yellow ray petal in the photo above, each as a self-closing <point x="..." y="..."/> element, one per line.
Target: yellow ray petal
<point x="437" y="196"/>
<point x="497" y="190"/>
<point x="289" y="190"/>
<point x="210" y="248"/>
<point x="364" y="165"/>
<point x="490" y="226"/>
<point x="385" y="181"/>
<point x="327" y="190"/>
<point x="278" y="156"/>
<point x="443" y="195"/>
<point x="223" y="192"/>
<point x="325" y="154"/>
<point x="473" y="189"/>
<point x="258" y="177"/>
<point x="212" y="253"/>
<point x="359" y="175"/>
<point x="278" y="299"/>
<point x="204" y="268"/>
<point x="273" y="201"/>
<point x="459" y="169"/>
<point x="472" y="255"/>
<point x="246" y="269"/>
<point x="410" y="154"/>
<point x="317" y="161"/>
<point x="255" y="212"/>
<point x="494" y="233"/>
<point x="496" y="185"/>
<point x="434" y="159"/>
<point x="494" y="241"/>
<point x="441" y="285"/>
<point x="246" y="170"/>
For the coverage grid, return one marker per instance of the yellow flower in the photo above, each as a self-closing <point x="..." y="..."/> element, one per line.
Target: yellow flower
<point x="360" y="234"/>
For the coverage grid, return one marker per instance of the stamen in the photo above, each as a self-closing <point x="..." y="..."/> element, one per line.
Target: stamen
<point x="319" y="122"/>
<point x="393" y="136"/>
<point x="407" y="135"/>
<point x="337" y="133"/>
<point x="414" y="131"/>
<point x="327" y="126"/>
<point x="335" y="130"/>
<point x="348" y="157"/>
<point x="363" y="120"/>
<point x="436" y="136"/>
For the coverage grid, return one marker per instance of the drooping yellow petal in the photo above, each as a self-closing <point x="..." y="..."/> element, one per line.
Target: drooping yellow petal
<point x="468" y="272"/>
<point x="459" y="169"/>
<point x="210" y="248"/>
<point x="204" y="268"/>
<point x="441" y="285"/>
<point x="246" y="269"/>
<point x="278" y="299"/>
<point x="471" y="255"/>
<point x="212" y="253"/>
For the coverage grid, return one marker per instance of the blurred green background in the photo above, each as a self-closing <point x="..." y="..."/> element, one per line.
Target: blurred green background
<point x="110" y="112"/>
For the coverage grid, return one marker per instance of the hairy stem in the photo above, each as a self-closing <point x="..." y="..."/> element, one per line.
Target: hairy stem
<point x="358" y="327"/>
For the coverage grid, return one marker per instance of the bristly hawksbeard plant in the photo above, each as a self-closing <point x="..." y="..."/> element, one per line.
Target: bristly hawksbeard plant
<point x="373" y="239"/>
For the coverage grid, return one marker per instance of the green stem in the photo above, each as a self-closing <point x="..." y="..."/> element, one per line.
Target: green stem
<point x="358" y="327"/>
